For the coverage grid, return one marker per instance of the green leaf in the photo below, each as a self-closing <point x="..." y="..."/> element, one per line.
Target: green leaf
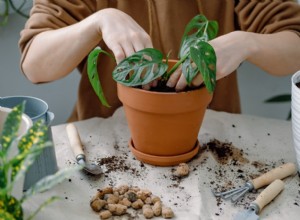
<point x="3" y="179"/>
<point x="92" y="71"/>
<point x="189" y="70"/>
<point x="43" y="205"/>
<point x="30" y="146"/>
<point x="198" y="29"/>
<point x="141" y="68"/>
<point x="196" y="26"/>
<point x="5" y="215"/>
<point x="11" y="205"/>
<point x="11" y="127"/>
<point x="279" y="98"/>
<point x="212" y="30"/>
<point x="204" y="57"/>
<point x="22" y="162"/>
<point x="50" y="181"/>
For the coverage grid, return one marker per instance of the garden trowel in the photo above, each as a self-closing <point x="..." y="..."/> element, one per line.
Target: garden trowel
<point x="77" y="149"/>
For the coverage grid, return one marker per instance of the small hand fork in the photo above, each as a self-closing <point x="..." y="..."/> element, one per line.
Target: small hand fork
<point x="280" y="172"/>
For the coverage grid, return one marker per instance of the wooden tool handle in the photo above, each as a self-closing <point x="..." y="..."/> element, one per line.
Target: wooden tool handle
<point x="74" y="139"/>
<point x="280" y="172"/>
<point x="268" y="194"/>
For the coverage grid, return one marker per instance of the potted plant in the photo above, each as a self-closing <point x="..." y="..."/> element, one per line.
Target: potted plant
<point x="16" y="156"/>
<point x="164" y="124"/>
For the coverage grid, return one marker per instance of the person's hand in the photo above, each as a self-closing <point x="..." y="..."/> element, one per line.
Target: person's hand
<point x="122" y="34"/>
<point x="231" y="51"/>
<point x="177" y="80"/>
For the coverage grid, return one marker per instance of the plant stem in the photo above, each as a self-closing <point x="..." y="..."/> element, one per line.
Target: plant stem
<point x="172" y="70"/>
<point x="18" y="10"/>
<point x="5" y="14"/>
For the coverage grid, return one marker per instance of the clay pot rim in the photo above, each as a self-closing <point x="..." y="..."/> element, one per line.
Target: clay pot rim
<point x="163" y="160"/>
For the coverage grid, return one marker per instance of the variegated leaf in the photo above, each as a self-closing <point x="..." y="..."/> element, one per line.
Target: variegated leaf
<point x="50" y="181"/>
<point x="140" y="68"/>
<point x="204" y="57"/>
<point x="36" y="136"/>
<point x="11" y="127"/>
<point x="11" y="205"/>
<point x="43" y="205"/>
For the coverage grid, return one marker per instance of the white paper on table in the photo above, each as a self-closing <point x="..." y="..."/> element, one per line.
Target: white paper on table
<point x="266" y="140"/>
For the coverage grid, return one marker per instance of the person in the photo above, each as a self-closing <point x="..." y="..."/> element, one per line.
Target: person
<point x="59" y="35"/>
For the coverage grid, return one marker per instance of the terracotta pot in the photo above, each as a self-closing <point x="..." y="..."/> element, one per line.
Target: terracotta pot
<point x="164" y="127"/>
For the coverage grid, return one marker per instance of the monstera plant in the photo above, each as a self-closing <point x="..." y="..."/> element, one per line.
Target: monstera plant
<point x="164" y="124"/>
<point x="196" y="56"/>
<point x="14" y="167"/>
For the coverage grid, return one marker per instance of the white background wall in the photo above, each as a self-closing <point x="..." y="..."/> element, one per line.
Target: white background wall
<point x="255" y="85"/>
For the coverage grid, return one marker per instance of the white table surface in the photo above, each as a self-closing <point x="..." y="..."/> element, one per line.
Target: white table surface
<point x="265" y="141"/>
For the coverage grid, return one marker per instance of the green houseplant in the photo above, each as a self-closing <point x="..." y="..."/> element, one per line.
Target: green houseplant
<point x="14" y="167"/>
<point x="173" y="129"/>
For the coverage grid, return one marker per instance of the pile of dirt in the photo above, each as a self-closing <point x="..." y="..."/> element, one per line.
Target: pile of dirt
<point x="225" y="152"/>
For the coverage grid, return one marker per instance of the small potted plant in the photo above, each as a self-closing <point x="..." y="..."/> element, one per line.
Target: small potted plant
<point x="164" y="124"/>
<point x="13" y="166"/>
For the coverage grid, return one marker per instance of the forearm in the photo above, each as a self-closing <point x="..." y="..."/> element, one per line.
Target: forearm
<point x="277" y="54"/>
<point x="53" y="54"/>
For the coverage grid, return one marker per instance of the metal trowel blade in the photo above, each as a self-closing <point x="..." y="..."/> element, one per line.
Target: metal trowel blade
<point x="246" y="215"/>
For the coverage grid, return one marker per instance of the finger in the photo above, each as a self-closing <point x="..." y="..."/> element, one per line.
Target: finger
<point x="146" y="87"/>
<point x="172" y="81"/>
<point x="118" y="53"/>
<point x="197" y="81"/>
<point x="128" y="49"/>
<point x="154" y="83"/>
<point x="148" y="42"/>
<point x="181" y="84"/>
<point x="137" y="45"/>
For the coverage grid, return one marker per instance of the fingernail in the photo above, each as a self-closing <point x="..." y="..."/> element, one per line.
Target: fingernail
<point x="154" y="83"/>
<point x="169" y="84"/>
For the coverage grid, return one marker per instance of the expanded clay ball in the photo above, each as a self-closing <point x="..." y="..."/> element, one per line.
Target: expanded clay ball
<point x="182" y="170"/>
<point x="148" y="200"/>
<point x="112" y="199"/>
<point x="102" y="192"/>
<point x="138" y="204"/>
<point x="167" y="212"/>
<point x="125" y="202"/>
<point x="131" y="196"/>
<point x="97" y="204"/>
<point x="147" y="211"/>
<point x="155" y="199"/>
<point x="143" y="194"/>
<point x="105" y="214"/>
<point x="122" y="189"/>
<point x="157" y="208"/>
<point x="117" y="209"/>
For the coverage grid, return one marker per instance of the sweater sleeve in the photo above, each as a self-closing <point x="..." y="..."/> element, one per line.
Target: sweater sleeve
<point x="269" y="16"/>
<point x="53" y="14"/>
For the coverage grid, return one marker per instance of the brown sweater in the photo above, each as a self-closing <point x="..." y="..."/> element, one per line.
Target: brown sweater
<point x="165" y="21"/>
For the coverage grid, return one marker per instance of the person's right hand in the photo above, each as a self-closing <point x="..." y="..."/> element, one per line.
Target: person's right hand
<point x="121" y="33"/>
